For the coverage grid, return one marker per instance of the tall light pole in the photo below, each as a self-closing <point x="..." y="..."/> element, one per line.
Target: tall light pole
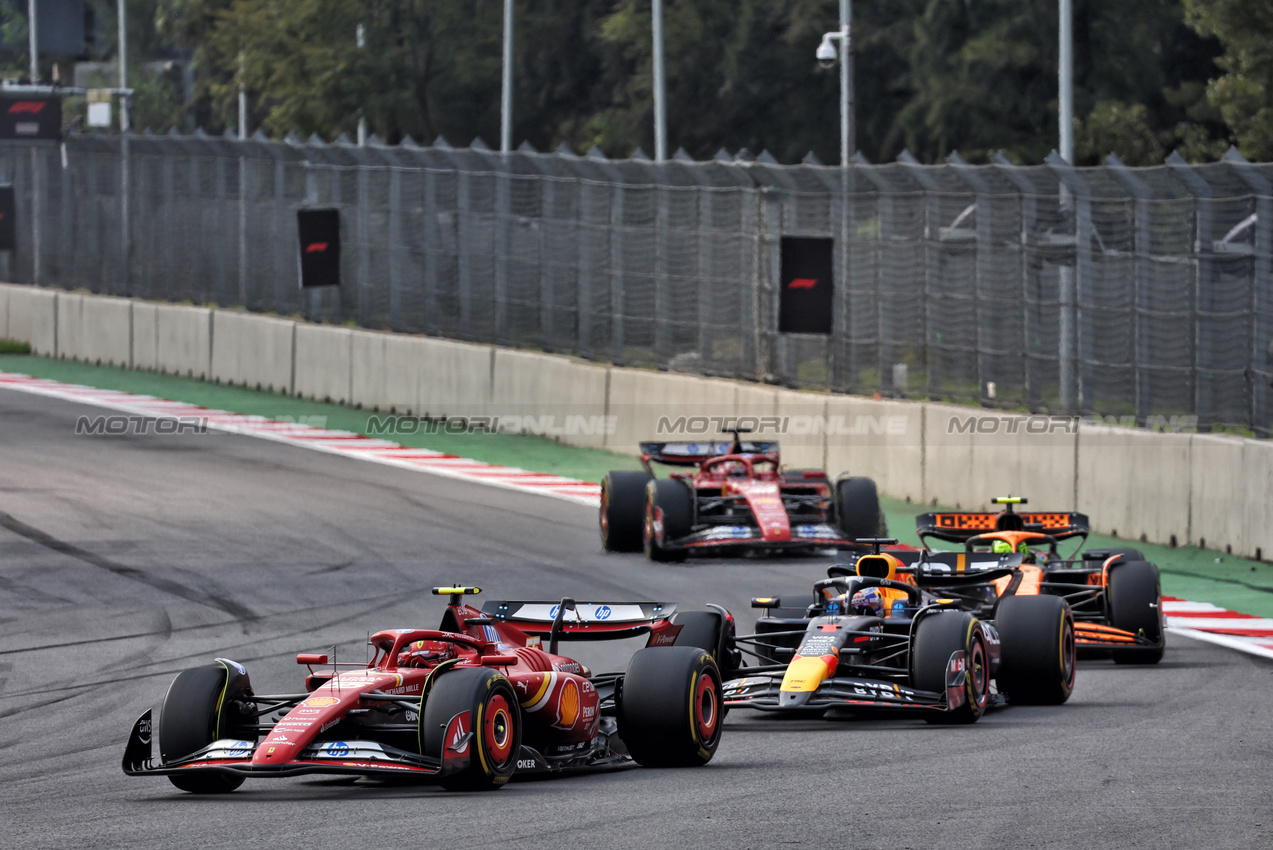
<point x="660" y="86"/>
<point x="1066" y="74"/>
<point x="35" y="42"/>
<point x="506" y="89"/>
<point x="826" y="55"/>
<point x="123" y="63"/>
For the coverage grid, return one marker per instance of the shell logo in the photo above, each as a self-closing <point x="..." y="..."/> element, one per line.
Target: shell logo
<point x="568" y="704"/>
<point x="321" y="702"/>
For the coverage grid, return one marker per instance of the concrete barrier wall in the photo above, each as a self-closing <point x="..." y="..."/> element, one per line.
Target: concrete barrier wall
<point x="639" y="400"/>
<point x="33" y="318"/>
<point x="182" y="339"/>
<point x="883" y="440"/>
<point x="551" y="396"/>
<point x="94" y="330"/>
<point x="4" y="311"/>
<point x="1195" y="488"/>
<point x="1137" y="484"/>
<point x="324" y="358"/>
<point x="252" y="351"/>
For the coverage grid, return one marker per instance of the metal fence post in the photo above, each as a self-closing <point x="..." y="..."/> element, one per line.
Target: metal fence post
<point x="396" y="318"/>
<point x="463" y="262"/>
<point x="1261" y="368"/>
<point x="1142" y="281"/>
<point x="617" y="229"/>
<point x="503" y="221"/>
<point x="1202" y="249"/>
<point x="1074" y="390"/>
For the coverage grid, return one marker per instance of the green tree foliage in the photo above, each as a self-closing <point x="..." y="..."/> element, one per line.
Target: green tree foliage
<point x="930" y="75"/>
<point x="1244" y="94"/>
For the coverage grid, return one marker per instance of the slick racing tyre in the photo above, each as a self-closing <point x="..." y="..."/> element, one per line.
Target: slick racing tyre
<point x="622" y="510"/>
<point x="198" y="709"/>
<point x="669" y="515"/>
<point x="1037" y="649"/>
<point x="939" y="636"/>
<point x="858" y="508"/>
<point x="1134" y="596"/>
<point x="708" y="630"/>
<point x="494" y="719"/>
<point x="670" y="711"/>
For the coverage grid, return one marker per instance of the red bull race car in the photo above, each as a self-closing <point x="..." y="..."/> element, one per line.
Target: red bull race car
<point x="1115" y="594"/>
<point x="736" y="498"/>
<point x="467" y="705"/>
<point x="875" y="638"/>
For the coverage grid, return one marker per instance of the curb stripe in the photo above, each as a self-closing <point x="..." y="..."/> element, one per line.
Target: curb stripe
<point x="342" y="443"/>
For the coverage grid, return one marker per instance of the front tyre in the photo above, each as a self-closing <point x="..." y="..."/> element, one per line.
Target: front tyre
<point x="198" y="709"/>
<point x="1037" y="650"/>
<point x="622" y="510"/>
<point x="1135" y="605"/>
<point x="670" y="709"/>
<point x="937" y="638"/>
<point x="479" y="702"/>
<point x="669" y="516"/>
<point x="858" y="508"/>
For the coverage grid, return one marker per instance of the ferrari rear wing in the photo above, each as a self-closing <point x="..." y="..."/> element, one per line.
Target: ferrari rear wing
<point x="958" y="527"/>
<point x="580" y="620"/>
<point x="693" y="454"/>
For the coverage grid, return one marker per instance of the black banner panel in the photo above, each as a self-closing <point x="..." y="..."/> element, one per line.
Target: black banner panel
<point x="804" y="306"/>
<point x="8" y="209"/>
<point x="320" y="247"/>
<point x="31" y="117"/>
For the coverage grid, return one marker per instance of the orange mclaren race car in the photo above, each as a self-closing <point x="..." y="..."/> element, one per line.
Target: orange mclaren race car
<point x="874" y="638"/>
<point x="737" y="498"/>
<point x="1115" y="594"/>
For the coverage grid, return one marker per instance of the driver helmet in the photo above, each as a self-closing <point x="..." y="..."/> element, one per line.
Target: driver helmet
<point x="1001" y="547"/>
<point x="869" y="600"/>
<point x="424" y="653"/>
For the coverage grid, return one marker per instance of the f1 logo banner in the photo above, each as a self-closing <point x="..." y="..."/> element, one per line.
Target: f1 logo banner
<point x="319" y="247"/>
<point x="8" y="231"/>
<point x="31" y="117"/>
<point x="804" y="306"/>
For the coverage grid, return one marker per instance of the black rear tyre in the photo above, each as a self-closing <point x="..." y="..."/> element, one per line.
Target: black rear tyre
<point x="939" y="636"/>
<point x="622" y="510"/>
<point x="494" y="718"/>
<point x="1134" y="595"/>
<point x="708" y="630"/>
<point x="192" y="717"/>
<point x="670" y="710"/>
<point x="1037" y="649"/>
<point x="858" y="508"/>
<point x="669" y="516"/>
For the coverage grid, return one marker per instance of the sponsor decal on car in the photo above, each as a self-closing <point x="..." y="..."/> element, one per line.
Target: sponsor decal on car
<point x="321" y="702"/>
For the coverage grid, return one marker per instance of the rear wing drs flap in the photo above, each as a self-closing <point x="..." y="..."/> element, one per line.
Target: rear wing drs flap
<point x="958" y="527"/>
<point x="694" y="453"/>
<point x="585" y="621"/>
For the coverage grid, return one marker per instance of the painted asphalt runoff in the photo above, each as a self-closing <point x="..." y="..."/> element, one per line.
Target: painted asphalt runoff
<point x="1188" y="572"/>
<point x="126" y="559"/>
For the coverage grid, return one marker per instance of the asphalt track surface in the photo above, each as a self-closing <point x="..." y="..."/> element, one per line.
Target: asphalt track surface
<point x="126" y="559"/>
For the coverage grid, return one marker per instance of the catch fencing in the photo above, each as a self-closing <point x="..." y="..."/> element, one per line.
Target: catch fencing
<point x="1137" y="293"/>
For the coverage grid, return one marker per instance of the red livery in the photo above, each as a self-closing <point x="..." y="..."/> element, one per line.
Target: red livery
<point x="467" y="705"/>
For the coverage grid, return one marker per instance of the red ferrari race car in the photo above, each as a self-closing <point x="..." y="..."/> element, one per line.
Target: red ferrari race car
<point x="1115" y="594"/>
<point x="736" y="498"/>
<point x="467" y="705"/>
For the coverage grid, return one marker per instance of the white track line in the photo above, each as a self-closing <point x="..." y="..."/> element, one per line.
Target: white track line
<point x="1211" y="623"/>
<point x="342" y="443"/>
<point x="1198" y="620"/>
